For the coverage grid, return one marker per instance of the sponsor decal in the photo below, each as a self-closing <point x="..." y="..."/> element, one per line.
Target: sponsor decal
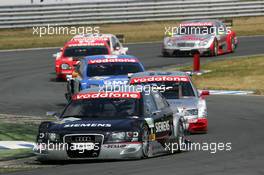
<point x="162" y="126"/>
<point x="83" y="125"/>
<point x="87" y="39"/>
<point x="86" y="44"/>
<point x="196" y="24"/>
<point x="115" y="146"/>
<point x="190" y="38"/>
<point x="115" y="82"/>
<point x="158" y="79"/>
<point x="113" y="60"/>
<point x="94" y="95"/>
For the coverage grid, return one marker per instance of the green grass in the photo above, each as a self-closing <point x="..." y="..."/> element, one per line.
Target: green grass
<point x="12" y="131"/>
<point x="16" y="153"/>
<point x="232" y="74"/>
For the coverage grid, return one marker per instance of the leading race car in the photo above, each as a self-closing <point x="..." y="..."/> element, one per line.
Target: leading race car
<point x="102" y="70"/>
<point x="207" y="37"/>
<point x="181" y="94"/>
<point x="73" y="52"/>
<point x="110" y="124"/>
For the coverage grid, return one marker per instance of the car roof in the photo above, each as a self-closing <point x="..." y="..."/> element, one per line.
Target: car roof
<point x="159" y="73"/>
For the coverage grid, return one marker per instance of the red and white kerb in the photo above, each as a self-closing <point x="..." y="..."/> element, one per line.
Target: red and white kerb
<point x="158" y="79"/>
<point x="97" y="95"/>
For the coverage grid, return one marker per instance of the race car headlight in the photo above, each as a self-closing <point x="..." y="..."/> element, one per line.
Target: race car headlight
<point x="118" y="136"/>
<point x="65" y="67"/>
<point x="53" y="137"/>
<point x="190" y="112"/>
<point x="204" y="43"/>
<point x="122" y="137"/>
<point x="169" y="43"/>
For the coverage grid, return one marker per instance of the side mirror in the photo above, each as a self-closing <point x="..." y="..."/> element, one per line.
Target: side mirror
<point x="204" y="93"/>
<point x="125" y="49"/>
<point x="52" y="114"/>
<point x="61" y="49"/>
<point x="55" y="55"/>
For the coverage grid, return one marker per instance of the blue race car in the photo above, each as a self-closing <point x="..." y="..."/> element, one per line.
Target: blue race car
<point x="102" y="70"/>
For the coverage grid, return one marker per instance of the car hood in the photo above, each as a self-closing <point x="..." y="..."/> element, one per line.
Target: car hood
<point x="108" y="80"/>
<point x="72" y="125"/>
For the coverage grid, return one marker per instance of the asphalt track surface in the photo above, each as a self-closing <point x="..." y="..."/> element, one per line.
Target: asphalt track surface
<point x="27" y="77"/>
<point x="234" y="119"/>
<point x="28" y="88"/>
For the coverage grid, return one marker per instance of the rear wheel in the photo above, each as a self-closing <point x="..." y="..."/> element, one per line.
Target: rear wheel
<point x="181" y="136"/>
<point x="233" y="45"/>
<point x="215" y="49"/>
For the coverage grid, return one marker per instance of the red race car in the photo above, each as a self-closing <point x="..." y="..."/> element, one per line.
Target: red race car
<point x="74" y="50"/>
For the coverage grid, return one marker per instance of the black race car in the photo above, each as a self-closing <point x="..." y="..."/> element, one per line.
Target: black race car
<point x="100" y="124"/>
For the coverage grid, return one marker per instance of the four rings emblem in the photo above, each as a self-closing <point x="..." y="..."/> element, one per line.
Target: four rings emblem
<point x="83" y="139"/>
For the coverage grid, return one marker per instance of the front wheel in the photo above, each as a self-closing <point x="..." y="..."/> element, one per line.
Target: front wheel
<point x="214" y="52"/>
<point x="145" y="142"/>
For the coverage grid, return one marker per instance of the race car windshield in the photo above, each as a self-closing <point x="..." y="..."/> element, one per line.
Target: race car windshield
<point x="173" y="90"/>
<point x="102" y="108"/>
<point x="195" y="30"/>
<point x="106" y="69"/>
<point x="82" y="51"/>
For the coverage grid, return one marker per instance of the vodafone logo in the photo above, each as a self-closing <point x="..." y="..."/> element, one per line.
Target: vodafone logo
<point x="107" y="95"/>
<point x="198" y="24"/>
<point x="113" y="60"/>
<point x="158" y="79"/>
<point x="86" y="44"/>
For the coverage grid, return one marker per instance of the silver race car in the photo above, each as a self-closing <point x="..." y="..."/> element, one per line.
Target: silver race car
<point x="207" y="37"/>
<point x="181" y="94"/>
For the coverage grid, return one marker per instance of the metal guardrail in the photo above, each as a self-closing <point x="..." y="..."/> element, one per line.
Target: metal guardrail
<point x="125" y="11"/>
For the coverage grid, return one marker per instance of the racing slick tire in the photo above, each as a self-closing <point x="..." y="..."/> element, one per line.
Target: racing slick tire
<point x="214" y="52"/>
<point x="72" y="88"/>
<point x="145" y="142"/>
<point x="181" y="136"/>
<point x="166" y="54"/>
<point x="233" y="45"/>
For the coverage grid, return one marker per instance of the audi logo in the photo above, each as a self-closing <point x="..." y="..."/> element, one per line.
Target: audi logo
<point x="83" y="139"/>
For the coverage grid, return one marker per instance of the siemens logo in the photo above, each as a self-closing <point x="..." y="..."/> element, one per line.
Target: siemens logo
<point x="87" y="125"/>
<point x="162" y="126"/>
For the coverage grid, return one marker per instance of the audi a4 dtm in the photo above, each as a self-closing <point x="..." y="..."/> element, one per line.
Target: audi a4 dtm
<point x="110" y="125"/>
